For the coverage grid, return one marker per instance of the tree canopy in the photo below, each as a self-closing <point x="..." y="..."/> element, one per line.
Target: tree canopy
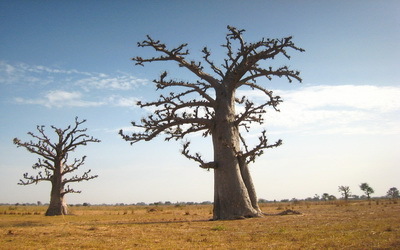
<point x="54" y="165"/>
<point x="211" y="105"/>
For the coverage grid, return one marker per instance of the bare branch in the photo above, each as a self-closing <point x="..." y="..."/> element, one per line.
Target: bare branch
<point x="179" y="114"/>
<point x="42" y="147"/>
<point x="68" y="168"/>
<point x="84" y="177"/>
<point x="176" y="55"/>
<point x="246" y="59"/>
<point x="55" y="154"/>
<point x="199" y="87"/>
<point x="70" y="190"/>
<point x="43" y="164"/>
<point x="206" y="56"/>
<point x="197" y="157"/>
<point x="282" y="71"/>
<point x="46" y="176"/>
<point x="258" y="150"/>
<point x="71" y="141"/>
<point x="171" y="126"/>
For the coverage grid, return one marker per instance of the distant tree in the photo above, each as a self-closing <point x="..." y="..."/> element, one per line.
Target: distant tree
<point x="393" y="193"/>
<point x="332" y="197"/>
<point x="367" y="189"/>
<point x="345" y="191"/>
<point x="54" y="162"/>
<point x="325" y="196"/>
<point x="262" y="200"/>
<point x="208" y="104"/>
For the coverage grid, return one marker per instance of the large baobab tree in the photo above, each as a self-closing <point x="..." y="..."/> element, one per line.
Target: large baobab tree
<point x="53" y="162"/>
<point x="210" y="103"/>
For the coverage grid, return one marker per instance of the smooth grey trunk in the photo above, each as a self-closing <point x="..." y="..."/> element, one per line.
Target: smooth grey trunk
<point x="57" y="203"/>
<point x="231" y="197"/>
<point x="248" y="182"/>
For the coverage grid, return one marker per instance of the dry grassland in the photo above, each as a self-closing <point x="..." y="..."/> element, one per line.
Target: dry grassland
<point x="338" y="225"/>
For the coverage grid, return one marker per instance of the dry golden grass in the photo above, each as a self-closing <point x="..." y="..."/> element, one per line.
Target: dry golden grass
<point x="338" y="225"/>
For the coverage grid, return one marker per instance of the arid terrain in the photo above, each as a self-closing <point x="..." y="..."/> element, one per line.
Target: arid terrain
<point x="321" y="225"/>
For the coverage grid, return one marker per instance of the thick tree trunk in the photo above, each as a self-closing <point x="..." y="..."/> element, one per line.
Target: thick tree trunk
<point x="57" y="204"/>
<point x="231" y="198"/>
<point x="248" y="182"/>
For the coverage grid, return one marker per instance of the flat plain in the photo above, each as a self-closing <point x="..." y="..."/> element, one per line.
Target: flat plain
<point x="321" y="225"/>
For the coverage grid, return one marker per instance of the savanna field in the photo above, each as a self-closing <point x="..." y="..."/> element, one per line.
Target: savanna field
<point x="321" y="225"/>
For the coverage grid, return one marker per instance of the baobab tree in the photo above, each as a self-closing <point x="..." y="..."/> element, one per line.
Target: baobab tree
<point x="345" y="190"/>
<point x="53" y="162"/>
<point x="209" y="105"/>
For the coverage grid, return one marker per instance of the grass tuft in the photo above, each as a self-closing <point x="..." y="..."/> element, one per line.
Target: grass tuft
<point x="218" y="228"/>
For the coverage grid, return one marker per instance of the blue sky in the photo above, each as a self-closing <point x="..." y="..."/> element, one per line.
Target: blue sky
<point x="341" y="126"/>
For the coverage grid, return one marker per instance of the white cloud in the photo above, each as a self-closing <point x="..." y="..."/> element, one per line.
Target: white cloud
<point x="103" y="81"/>
<point x="348" y="109"/>
<point x="43" y="69"/>
<point x="37" y="74"/>
<point x="123" y="101"/>
<point x="38" y="78"/>
<point x="60" y="98"/>
<point x="342" y="109"/>
<point x="10" y="74"/>
<point x="22" y="73"/>
<point x="366" y="97"/>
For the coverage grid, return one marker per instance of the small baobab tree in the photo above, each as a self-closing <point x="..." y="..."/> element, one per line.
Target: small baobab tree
<point x="368" y="190"/>
<point x="345" y="191"/>
<point x="393" y="193"/>
<point x="53" y="163"/>
<point x="208" y="104"/>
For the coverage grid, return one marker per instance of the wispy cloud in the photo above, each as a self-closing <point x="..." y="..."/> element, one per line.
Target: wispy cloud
<point x="121" y="101"/>
<point x="36" y="74"/>
<point x="44" y="69"/>
<point x="60" y="98"/>
<point x="21" y="73"/>
<point x="364" y="97"/>
<point x="345" y="109"/>
<point x="67" y="86"/>
<point x="103" y="81"/>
